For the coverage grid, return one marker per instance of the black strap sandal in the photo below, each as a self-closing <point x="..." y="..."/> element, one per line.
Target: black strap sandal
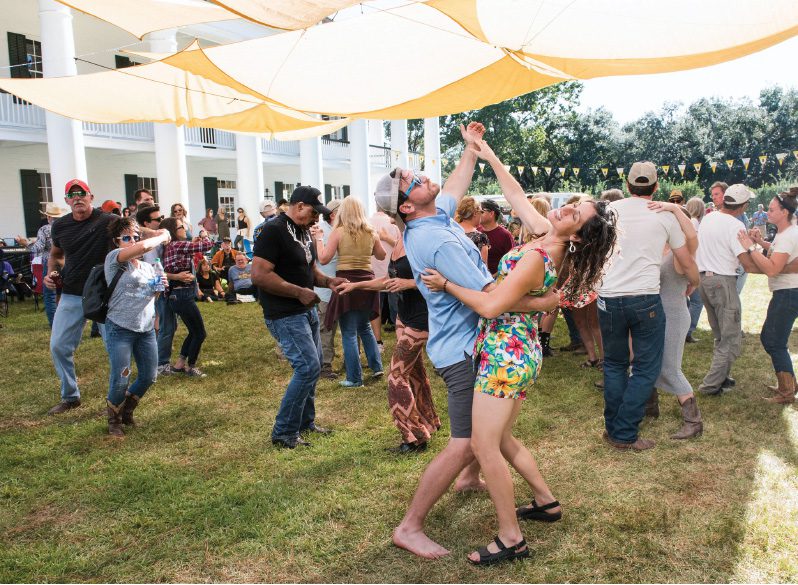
<point x="539" y="512"/>
<point x="517" y="551"/>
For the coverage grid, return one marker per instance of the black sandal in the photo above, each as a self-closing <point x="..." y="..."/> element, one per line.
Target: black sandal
<point x="539" y="512"/>
<point x="517" y="551"/>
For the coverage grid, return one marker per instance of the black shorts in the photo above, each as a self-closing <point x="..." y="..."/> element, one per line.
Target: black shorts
<point x="459" y="379"/>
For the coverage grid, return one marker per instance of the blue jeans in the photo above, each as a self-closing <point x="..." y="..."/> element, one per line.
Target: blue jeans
<point x="354" y="324"/>
<point x="625" y="395"/>
<point x="65" y="338"/>
<point x="182" y="303"/>
<point x="298" y="336"/>
<point x="167" y="325"/>
<point x="573" y="332"/>
<point x="121" y="344"/>
<point x="695" y="305"/>
<point x="49" y="298"/>
<point x="782" y="312"/>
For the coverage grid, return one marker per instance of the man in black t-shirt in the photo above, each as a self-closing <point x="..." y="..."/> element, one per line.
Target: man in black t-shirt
<point x="284" y="269"/>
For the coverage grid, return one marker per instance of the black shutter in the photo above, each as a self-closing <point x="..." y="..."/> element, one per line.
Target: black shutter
<point x="31" y="196"/>
<point x="346" y="190"/>
<point x="211" y="194"/>
<point x="327" y="193"/>
<point x="345" y="133"/>
<point x="18" y="55"/>
<point x="278" y="190"/>
<point x="131" y="186"/>
<point x="122" y="62"/>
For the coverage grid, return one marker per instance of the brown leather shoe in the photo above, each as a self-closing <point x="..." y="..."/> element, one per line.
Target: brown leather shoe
<point x="128" y="406"/>
<point x="640" y="444"/>
<point x="115" y="420"/>
<point x="63" y="406"/>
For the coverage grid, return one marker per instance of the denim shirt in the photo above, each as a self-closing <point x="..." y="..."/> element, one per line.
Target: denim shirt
<point x="440" y="243"/>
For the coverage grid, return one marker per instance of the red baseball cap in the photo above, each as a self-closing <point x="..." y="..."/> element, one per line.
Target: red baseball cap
<point x="76" y="183"/>
<point x="109" y="206"/>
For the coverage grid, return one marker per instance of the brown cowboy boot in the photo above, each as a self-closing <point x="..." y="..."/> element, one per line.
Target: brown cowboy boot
<point x="128" y="406"/>
<point x="115" y="420"/>
<point x="693" y="425"/>
<point x="785" y="393"/>
<point x="652" y="406"/>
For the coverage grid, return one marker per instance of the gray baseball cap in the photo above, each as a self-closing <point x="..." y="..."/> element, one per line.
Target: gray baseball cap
<point x="386" y="195"/>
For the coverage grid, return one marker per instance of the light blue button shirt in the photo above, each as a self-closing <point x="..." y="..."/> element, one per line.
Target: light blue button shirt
<point x="329" y="269"/>
<point x="440" y="243"/>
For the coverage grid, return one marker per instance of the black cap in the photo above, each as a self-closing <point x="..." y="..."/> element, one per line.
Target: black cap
<point x="310" y="196"/>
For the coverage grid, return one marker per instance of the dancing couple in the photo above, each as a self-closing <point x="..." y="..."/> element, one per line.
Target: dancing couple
<point x="485" y="400"/>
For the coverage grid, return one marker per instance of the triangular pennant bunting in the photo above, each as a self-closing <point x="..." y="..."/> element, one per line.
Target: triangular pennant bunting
<point x="507" y="168"/>
<point x="780" y="157"/>
<point x="746" y="162"/>
<point x="548" y="170"/>
<point x="562" y="171"/>
<point x="481" y="167"/>
<point x="730" y="163"/>
<point x="619" y="170"/>
<point x="604" y="171"/>
<point x="520" y="169"/>
<point x="681" y="168"/>
<point x="697" y="167"/>
<point x="666" y="168"/>
<point x="535" y="171"/>
<point x="763" y="158"/>
<point x="576" y="171"/>
<point x="713" y="165"/>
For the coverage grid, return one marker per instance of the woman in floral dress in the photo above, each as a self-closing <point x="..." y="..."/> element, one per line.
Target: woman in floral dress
<point x="580" y="239"/>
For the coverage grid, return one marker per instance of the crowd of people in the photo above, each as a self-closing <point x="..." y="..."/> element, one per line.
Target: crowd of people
<point x="630" y="275"/>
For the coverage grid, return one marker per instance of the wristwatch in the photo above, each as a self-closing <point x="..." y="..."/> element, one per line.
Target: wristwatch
<point x="751" y="248"/>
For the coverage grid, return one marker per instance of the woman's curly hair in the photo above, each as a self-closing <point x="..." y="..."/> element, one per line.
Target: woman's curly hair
<point x="583" y="269"/>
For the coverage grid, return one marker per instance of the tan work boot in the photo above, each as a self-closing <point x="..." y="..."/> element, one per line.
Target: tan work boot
<point x="128" y="406"/>
<point x="693" y="425"/>
<point x="115" y="420"/>
<point x="785" y="392"/>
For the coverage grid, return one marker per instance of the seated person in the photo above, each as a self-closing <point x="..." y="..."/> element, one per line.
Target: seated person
<point x="239" y="279"/>
<point x="224" y="258"/>
<point x="209" y="284"/>
<point x="7" y="278"/>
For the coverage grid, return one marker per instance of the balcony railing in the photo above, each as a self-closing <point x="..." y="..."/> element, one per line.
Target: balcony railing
<point x="284" y="147"/>
<point x="210" y="138"/>
<point x="19" y="114"/>
<point x="141" y="131"/>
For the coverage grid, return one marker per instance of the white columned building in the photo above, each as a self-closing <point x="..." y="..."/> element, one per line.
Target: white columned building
<point x="432" y="149"/>
<point x="399" y="156"/>
<point x="361" y="176"/>
<point x="65" y="146"/>
<point x="249" y="175"/>
<point x="311" y="169"/>
<point x="170" y="146"/>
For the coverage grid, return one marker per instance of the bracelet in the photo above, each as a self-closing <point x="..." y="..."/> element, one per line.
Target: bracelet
<point x="445" y="282"/>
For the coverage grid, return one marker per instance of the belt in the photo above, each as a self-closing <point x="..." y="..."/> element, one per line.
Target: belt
<point x="709" y="273"/>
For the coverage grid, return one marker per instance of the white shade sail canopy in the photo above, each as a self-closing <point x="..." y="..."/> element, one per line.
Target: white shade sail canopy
<point x="417" y="60"/>
<point x="140" y="17"/>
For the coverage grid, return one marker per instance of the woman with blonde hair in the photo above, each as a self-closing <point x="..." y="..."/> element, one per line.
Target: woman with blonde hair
<point x="468" y="215"/>
<point x="355" y="241"/>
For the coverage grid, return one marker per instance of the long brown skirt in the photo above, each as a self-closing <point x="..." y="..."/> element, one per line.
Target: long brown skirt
<point x="409" y="392"/>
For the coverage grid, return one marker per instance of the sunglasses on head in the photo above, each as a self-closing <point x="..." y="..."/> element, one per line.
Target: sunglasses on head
<point x="127" y="239"/>
<point x="72" y="194"/>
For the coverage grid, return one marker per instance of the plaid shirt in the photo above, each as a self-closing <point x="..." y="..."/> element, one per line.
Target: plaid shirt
<point x="177" y="256"/>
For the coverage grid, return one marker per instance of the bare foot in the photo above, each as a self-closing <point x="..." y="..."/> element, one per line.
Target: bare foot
<point x="418" y="543"/>
<point x="470" y="485"/>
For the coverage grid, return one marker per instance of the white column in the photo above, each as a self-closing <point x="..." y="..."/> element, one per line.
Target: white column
<point x="65" y="145"/>
<point x="432" y="149"/>
<point x="311" y="169"/>
<point x="170" y="145"/>
<point x="399" y="155"/>
<point x="249" y="175"/>
<point x="359" y="156"/>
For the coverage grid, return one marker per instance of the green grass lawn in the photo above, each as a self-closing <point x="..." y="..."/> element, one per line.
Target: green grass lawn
<point x="197" y="493"/>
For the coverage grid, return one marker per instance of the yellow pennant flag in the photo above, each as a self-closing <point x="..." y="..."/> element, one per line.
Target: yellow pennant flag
<point x="548" y="170"/>
<point x="763" y="158"/>
<point x="681" y="168"/>
<point x="795" y="152"/>
<point x="619" y="170"/>
<point x="535" y="171"/>
<point x="481" y="167"/>
<point x="666" y="168"/>
<point x="746" y="162"/>
<point x="713" y="165"/>
<point x="562" y="171"/>
<point x="445" y="161"/>
<point x="576" y="171"/>
<point x="730" y="163"/>
<point x="520" y="169"/>
<point x="604" y="171"/>
<point x="697" y="167"/>
<point x="506" y="168"/>
<point x="780" y="157"/>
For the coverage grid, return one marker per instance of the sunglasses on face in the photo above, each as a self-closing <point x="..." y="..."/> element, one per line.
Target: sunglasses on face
<point x="72" y="194"/>
<point x="416" y="181"/>
<point x="156" y="218"/>
<point x="128" y="239"/>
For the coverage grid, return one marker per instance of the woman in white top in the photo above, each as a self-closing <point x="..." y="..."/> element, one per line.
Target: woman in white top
<point x="783" y="307"/>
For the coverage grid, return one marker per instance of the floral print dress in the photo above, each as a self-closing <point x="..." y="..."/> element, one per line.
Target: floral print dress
<point x="507" y="348"/>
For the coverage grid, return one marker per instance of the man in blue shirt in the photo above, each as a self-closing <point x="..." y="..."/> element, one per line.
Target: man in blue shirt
<point x="433" y="240"/>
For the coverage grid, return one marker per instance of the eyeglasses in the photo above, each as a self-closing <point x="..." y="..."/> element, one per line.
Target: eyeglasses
<point x="156" y="218"/>
<point x="72" y="194"/>
<point x="128" y="239"/>
<point x="416" y="181"/>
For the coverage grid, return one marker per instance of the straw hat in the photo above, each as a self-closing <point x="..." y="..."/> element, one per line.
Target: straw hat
<point x="53" y="210"/>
